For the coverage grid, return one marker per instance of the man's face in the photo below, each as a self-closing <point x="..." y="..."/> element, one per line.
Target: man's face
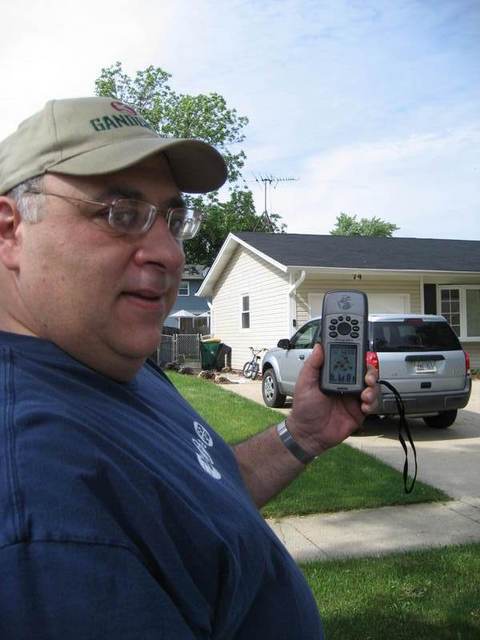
<point x="100" y="295"/>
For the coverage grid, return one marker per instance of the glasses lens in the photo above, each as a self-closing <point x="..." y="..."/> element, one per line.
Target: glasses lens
<point x="130" y="216"/>
<point x="184" y="223"/>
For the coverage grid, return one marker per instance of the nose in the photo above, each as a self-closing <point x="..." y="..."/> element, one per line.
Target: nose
<point x="159" y="247"/>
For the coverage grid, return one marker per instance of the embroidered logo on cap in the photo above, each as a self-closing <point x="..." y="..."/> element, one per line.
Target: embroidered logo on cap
<point x="119" y="106"/>
<point x="126" y="119"/>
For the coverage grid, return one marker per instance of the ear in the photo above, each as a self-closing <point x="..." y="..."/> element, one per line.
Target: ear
<point x="10" y="236"/>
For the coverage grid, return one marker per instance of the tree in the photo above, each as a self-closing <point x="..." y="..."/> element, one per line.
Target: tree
<point x="236" y="214"/>
<point x="347" y="225"/>
<point x="205" y="117"/>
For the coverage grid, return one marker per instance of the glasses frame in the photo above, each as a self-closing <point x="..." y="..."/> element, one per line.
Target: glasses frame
<point x="152" y="214"/>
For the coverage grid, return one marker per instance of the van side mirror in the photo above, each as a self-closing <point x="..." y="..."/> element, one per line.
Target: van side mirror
<point x="284" y="343"/>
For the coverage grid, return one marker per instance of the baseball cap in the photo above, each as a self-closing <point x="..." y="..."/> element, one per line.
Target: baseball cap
<point x="97" y="135"/>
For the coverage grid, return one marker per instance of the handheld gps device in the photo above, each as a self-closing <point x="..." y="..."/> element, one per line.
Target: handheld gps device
<point x="344" y="338"/>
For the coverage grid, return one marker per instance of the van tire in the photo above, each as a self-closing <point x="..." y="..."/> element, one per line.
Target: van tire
<point x="270" y="391"/>
<point x="443" y="420"/>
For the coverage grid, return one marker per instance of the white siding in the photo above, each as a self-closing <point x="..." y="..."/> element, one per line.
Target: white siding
<point x="377" y="286"/>
<point x="267" y="287"/>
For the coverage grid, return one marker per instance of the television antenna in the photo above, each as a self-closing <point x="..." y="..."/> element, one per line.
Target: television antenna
<point x="268" y="181"/>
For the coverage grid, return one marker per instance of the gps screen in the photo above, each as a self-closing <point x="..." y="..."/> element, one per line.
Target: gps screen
<point x="343" y="363"/>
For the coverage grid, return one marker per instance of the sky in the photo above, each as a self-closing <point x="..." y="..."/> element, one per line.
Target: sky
<point x="368" y="107"/>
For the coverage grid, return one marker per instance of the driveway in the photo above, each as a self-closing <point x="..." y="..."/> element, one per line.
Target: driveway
<point x="448" y="459"/>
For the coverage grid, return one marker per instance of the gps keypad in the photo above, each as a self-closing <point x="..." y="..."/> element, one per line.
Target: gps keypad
<point x="345" y="326"/>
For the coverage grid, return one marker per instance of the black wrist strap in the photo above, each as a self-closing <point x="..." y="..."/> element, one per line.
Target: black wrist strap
<point x="403" y="427"/>
<point x="292" y="445"/>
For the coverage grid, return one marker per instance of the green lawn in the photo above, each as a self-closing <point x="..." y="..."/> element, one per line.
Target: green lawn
<point x="341" y="479"/>
<point x="431" y="594"/>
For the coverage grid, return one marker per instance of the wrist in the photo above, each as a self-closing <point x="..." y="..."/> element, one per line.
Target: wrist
<point x="309" y="433"/>
<point x="292" y="444"/>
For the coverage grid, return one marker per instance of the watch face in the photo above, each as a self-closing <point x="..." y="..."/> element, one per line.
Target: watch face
<point x="343" y="364"/>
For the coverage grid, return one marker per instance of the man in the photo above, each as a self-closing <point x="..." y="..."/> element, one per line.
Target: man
<point x="123" y="515"/>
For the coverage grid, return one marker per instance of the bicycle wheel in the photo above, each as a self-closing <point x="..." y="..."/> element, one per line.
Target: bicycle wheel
<point x="248" y="369"/>
<point x="255" y="370"/>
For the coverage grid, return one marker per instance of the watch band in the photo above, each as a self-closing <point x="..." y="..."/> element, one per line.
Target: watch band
<point x="292" y="445"/>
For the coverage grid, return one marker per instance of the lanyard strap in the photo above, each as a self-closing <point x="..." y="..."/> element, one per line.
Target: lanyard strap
<point x="403" y="428"/>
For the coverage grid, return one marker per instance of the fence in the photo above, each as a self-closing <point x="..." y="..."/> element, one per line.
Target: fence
<point x="182" y="348"/>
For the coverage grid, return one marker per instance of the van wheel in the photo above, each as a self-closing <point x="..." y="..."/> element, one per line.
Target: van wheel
<point x="443" y="420"/>
<point x="271" y="394"/>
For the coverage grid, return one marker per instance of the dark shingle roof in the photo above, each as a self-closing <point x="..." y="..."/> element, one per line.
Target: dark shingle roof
<point x="302" y="250"/>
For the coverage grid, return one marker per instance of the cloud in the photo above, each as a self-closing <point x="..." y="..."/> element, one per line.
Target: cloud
<point x="425" y="184"/>
<point x="367" y="103"/>
<point x="57" y="49"/>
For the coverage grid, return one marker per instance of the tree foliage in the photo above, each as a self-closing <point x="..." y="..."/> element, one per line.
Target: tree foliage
<point x="236" y="214"/>
<point x="348" y="225"/>
<point x="206" y="117"/>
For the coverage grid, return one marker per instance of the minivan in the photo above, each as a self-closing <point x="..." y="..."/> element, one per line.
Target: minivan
<point x="420" y="355"/>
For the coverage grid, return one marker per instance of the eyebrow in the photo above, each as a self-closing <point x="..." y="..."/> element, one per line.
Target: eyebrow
<point x="113" y="192"/>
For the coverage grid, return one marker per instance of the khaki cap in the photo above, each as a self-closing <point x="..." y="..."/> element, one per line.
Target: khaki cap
<point x="93" y="136"/>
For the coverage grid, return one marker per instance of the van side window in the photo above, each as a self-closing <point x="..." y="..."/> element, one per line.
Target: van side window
<point x="305" y="337"/>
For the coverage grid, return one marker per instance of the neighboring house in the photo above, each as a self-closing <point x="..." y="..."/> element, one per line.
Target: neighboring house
<point x="187" y="300"/>
<point x="264" y="286"/>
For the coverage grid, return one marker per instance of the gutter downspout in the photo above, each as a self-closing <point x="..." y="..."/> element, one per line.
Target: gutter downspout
<point x="210" y="308"/>
<point x="291" y="295"/>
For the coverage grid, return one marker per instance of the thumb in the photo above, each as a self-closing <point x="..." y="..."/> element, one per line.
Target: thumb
<point x="313" y="363"/>
<point x="317" y="356"/>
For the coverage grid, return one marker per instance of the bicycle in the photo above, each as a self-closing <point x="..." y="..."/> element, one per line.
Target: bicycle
<point x="252" y="367"/>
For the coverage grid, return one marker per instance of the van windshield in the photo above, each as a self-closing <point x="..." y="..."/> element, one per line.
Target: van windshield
<point x="414" y="335"/>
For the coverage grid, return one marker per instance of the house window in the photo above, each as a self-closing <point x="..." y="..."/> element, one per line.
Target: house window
<point x="450" y="308"/>
<point x="473" y="312"/>
<point x="184" y="288"/>
<point x="461" y="307"/>
<point x="245" y="312"/>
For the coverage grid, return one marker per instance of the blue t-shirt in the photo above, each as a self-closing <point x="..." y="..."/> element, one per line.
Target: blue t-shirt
<point x="124" y="516"/>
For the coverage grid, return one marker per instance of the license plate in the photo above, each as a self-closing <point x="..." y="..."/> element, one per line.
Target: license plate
<point x="425" y="366"/>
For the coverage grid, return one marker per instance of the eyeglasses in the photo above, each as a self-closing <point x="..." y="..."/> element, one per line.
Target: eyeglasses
<point x="137" y="217"/>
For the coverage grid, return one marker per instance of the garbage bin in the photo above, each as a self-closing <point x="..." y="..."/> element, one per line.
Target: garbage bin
<point x="208" y="353"/>
<point x="223" y="357"/>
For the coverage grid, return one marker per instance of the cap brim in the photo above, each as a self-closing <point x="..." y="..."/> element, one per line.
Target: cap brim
<point x="196" y="166"/>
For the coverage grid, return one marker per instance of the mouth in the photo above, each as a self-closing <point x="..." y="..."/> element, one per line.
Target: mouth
<point x="144" y="298"/>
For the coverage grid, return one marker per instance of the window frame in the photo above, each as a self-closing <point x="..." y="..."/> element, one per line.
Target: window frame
<point x="187" y="283"/>
<point x="245" y="312"/>
<point x="300" y="333"/>
<point x="462" y="289"/>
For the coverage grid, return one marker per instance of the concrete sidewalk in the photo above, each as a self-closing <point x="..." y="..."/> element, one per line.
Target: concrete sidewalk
<point x="375" y="532"/>
<point x="448" y="459"/>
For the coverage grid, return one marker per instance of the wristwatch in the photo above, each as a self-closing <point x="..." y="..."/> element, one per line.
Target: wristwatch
<point x="292" y="445"/>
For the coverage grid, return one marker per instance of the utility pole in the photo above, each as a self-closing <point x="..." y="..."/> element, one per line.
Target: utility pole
<point x="269" y="180"/>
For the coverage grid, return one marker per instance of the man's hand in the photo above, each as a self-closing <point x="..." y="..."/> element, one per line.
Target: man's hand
<point x="317" y="421"/>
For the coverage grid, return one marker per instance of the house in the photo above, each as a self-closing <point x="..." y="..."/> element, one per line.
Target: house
<point x="188" y="302"/>
<point x="264" y="286"/>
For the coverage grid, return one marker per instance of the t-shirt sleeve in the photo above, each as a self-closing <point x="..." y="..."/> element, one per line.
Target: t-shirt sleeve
<point x="58" y="590"/>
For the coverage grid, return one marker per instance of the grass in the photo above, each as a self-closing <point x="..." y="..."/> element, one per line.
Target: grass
<point x="341" y="479"/>
<point x="425" y="595"/>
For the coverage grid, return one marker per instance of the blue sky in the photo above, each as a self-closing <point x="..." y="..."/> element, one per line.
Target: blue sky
<point x="374" y="107"/>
